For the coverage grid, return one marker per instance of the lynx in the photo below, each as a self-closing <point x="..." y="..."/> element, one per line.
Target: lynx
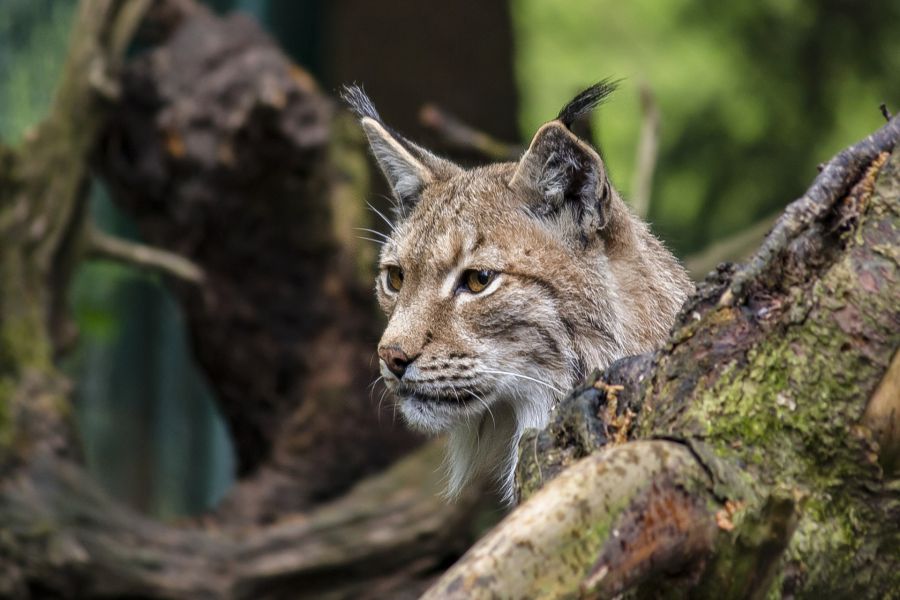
<point x="504" y="284"/>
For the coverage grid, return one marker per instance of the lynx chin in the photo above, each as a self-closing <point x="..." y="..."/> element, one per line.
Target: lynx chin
<point x="504" y="284"/>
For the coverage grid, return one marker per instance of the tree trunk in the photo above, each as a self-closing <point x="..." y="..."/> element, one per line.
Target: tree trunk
<point x="755" y="455"/>
<point x="236" y="161"/>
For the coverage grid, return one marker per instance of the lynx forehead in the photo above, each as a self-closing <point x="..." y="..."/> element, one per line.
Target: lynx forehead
<point x="505" y="284"/>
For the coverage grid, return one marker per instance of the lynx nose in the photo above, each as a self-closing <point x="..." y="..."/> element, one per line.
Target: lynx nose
<point x="395" y="359"/>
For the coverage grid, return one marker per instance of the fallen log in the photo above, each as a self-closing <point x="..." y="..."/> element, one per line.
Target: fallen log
<point x="755" y="454"/>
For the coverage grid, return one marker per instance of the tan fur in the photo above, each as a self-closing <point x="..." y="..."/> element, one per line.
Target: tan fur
<point x="575" y="290"/>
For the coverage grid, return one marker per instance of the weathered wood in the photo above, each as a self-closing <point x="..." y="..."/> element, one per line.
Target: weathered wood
<point x="237" y="161"/>
<point x="385" y="538"/>
<point x="42" y="207"/>
<point x="832" y="184"/>
<point x="603" y="525"/>
<point x="108" y="247"/>
<point x="782" y="400"/>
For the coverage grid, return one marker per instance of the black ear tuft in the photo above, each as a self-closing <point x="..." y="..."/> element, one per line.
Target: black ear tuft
<point x="357" y="100"/>
<point x="407" y="167"/>
<point x="586" y="101"/>
<point x="559" y="175"/>
<point x="402" y="162"/>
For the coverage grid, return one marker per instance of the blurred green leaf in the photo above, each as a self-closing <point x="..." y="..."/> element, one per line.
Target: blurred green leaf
<point x="752" y="95"/>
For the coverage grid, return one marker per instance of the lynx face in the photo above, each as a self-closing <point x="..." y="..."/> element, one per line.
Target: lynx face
<point x="474" y="312"/>
<point x="504" y="284"/>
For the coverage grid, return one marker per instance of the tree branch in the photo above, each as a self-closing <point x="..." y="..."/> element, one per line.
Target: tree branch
<point x="391" y="532"/>
<point x="464" y="137"/>
<point x="43" y="200"/>
<point x="781" y="387"/>
<point x="735" y="247"/>
<point x="831" y="185"/>
<point x="608" y="522"/>
<point x="246" y="173"/>
<point x="263" y="221"/>
<point x="647" y="153"/>
<point x="104" y="246"/>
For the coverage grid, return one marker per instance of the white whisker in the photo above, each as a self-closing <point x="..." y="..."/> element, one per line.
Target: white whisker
<point x="393" y="200"/>
<point x="468" y="422"/>
<point x="374" y="383"/>
<point x="384" y="218"/>
<point x="485" y="405"/>
<point x="361" y="237"/>
<point x="380" y="402"/>
<point x="380" y="399"/>
<point x="526" y="377"/>
<point x="387" y="238"/>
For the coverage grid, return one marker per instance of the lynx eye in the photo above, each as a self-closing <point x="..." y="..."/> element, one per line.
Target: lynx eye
<point x="394" y="278"/>
<point x="476" y="281"/>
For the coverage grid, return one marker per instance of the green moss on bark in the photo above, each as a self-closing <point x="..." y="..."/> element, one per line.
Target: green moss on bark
<point x="789" y="407"/>
<point x="770" y="396"/>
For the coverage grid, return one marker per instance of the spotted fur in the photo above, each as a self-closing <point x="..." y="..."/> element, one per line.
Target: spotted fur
<point x="580" y="282"/>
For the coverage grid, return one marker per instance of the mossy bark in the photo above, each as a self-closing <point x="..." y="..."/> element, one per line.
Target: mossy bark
<point x="787" y="403"/>
<point x="767" y="388"/>
<point x="578" y="536"/>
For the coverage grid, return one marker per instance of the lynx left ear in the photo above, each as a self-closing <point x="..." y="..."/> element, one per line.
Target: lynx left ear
<point x="404" y="172"/>
<point x="560" y="173"/>
<point x="407" y="167"/>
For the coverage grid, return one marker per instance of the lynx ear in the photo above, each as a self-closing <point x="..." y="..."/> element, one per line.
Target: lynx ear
<point x="404" y="172"/>
<point x="407" y="167"/>
<point x="560" y="173"/>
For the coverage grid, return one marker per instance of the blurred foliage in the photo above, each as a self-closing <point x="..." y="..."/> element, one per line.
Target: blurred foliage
<point x="753" y="95"/>
<point x="33" y="37"/>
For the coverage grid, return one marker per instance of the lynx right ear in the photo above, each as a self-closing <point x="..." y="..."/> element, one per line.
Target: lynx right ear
<point x="561" y="175"/>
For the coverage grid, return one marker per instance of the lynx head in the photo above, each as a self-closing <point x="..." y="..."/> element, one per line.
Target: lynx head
<point x="503" y="284"/>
